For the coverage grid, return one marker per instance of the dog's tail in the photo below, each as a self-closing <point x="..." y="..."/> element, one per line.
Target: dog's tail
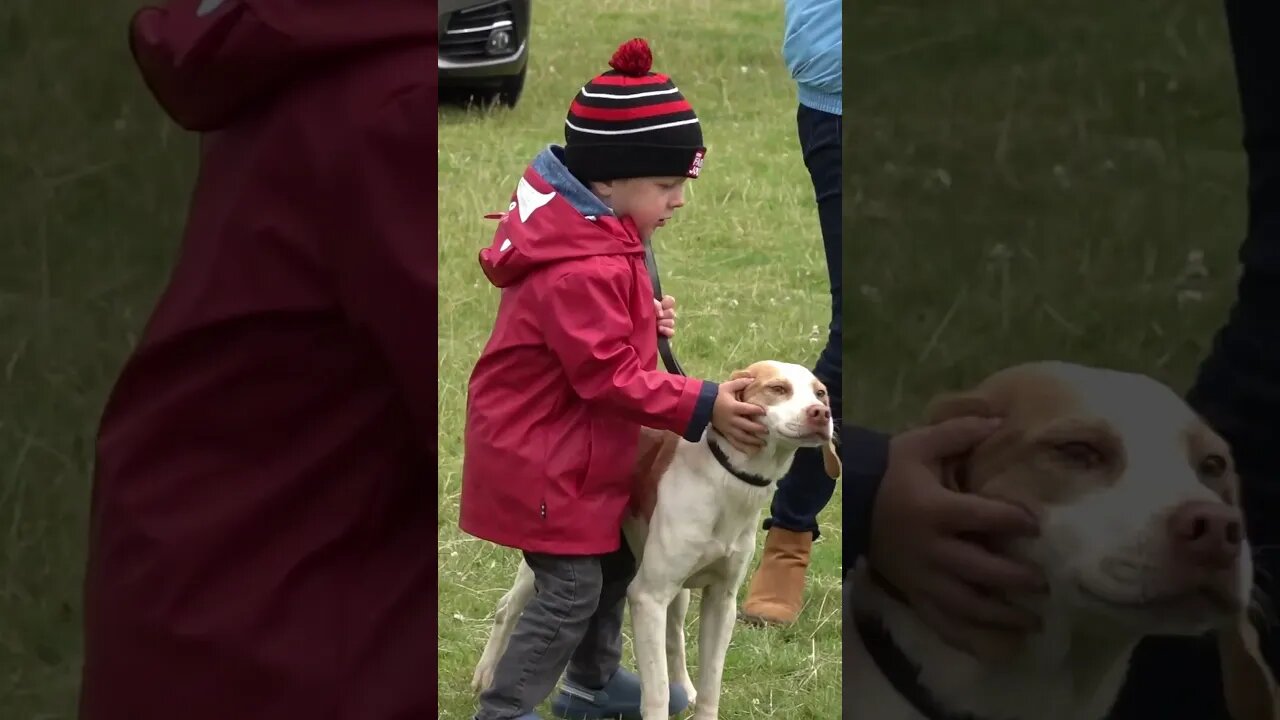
<point x="505" y="616"/>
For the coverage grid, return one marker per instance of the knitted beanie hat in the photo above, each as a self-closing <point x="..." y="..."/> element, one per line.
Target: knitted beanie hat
<point x="629" y="122"/>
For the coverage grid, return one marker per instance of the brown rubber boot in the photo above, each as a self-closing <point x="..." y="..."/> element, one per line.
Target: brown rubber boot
<point x="777" y="589"/>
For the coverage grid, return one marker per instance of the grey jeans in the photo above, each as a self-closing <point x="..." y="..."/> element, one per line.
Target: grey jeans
<point x="574" y="620"/>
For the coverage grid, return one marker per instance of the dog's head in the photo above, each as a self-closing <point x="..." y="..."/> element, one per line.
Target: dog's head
<point x="797" y="408"/>
<point x="1141" y="530"/>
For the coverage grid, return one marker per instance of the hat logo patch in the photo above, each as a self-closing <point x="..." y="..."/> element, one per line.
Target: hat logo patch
<point x="695" y="168"/>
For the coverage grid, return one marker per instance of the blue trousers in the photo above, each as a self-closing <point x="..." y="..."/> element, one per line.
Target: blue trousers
<point x="806" y="489"/>
<point x="1237" y="389"/>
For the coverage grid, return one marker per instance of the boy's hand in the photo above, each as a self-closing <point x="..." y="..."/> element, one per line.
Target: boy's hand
<point x="666" y="311"/>
<point x="931" y="543"/>
<point x="732" y="418"/>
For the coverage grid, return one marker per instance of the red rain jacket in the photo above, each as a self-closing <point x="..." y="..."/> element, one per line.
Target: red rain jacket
<point x="262" y="538"/>
<point x="557" y="398"/>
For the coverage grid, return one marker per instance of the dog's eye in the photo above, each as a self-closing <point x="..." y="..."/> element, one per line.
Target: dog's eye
<point x="1080" y="453"/>
<point x="777" y="390"/>
<point x="820" y="393"/>
<point x="1213" y="466"/>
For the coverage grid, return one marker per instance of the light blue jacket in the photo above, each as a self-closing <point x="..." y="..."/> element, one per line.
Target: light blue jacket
<point x="812" y="44"/>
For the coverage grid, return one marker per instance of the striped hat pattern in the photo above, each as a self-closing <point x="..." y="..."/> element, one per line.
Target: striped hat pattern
<point x="629" y="122"/>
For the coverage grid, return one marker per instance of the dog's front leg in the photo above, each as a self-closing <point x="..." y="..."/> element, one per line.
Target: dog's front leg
<point x="649" y="603"/>
<point x="715" y="626"/>
<point x="677" y="662"/>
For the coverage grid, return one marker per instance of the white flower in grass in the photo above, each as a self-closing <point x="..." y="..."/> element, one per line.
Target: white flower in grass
<point x="1189" y="296"/>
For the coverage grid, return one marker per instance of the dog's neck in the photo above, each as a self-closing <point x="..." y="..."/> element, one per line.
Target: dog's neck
<point x="1063" y="673"/>
<point x="770" y="462"/>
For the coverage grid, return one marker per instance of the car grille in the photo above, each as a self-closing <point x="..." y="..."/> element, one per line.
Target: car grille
<point x="468" y="30"/>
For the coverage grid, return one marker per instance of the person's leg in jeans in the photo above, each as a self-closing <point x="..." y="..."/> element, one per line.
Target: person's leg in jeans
<point x="776" y="592"/>
<point x="599" y="654"/>
<point x="574" y="621"/>
<point x="1237" y="389"/>
<point x="596" y="685"/>
<point x="545" y="636"/>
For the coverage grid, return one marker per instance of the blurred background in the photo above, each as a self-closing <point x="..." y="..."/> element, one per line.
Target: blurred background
<point x="94" y="182"/>
<point x="1034" y="181"/>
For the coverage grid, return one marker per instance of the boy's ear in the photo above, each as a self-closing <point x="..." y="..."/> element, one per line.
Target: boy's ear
<point x="603" y="188"/>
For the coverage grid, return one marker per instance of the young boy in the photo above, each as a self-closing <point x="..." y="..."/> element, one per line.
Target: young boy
<point x="557" y="399"/>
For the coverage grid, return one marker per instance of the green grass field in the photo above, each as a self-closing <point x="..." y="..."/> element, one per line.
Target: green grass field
<point x="94" y="184"/>
<point x="1027" y="181"/>
<point x="743" y="259"/>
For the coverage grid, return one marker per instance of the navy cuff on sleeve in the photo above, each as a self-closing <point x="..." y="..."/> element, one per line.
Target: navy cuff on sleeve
<point x="702" y="411"/>
<point x="865" y="456"/>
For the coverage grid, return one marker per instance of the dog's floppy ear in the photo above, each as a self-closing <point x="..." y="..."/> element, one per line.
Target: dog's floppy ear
<point x="831" y="460"/>
<point x="1247" y="682"/>
<point x="950" y="406"/>
<point x="737" y="374"/>
<point x="830" y="456"/>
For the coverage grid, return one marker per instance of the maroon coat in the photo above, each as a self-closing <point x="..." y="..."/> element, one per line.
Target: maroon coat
<point x="262" y="541"/>
<point x="568" y="377"/>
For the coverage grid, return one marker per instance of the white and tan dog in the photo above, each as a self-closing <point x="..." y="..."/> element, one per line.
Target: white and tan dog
<point x="693" y="525"/>
<point x="1140" y="535"/>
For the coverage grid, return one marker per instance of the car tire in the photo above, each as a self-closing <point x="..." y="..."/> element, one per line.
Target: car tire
<point x="505" y="92"/>
<point x="509" y="92"/>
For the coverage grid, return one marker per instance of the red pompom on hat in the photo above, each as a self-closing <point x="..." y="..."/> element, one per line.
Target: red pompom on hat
<point x="631" y="122"/>
<point x="633" y="58"/>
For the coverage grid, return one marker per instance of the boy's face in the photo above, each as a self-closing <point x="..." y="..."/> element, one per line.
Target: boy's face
<point x="649" y="201"/>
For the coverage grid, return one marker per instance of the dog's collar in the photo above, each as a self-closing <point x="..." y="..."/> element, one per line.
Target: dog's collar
<point x="900" y="671"/>
<point x="718" y="453"/>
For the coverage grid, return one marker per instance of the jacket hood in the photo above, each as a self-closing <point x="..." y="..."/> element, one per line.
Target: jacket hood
<point x="553" y="217"/>
<point x="207" y="60"/>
